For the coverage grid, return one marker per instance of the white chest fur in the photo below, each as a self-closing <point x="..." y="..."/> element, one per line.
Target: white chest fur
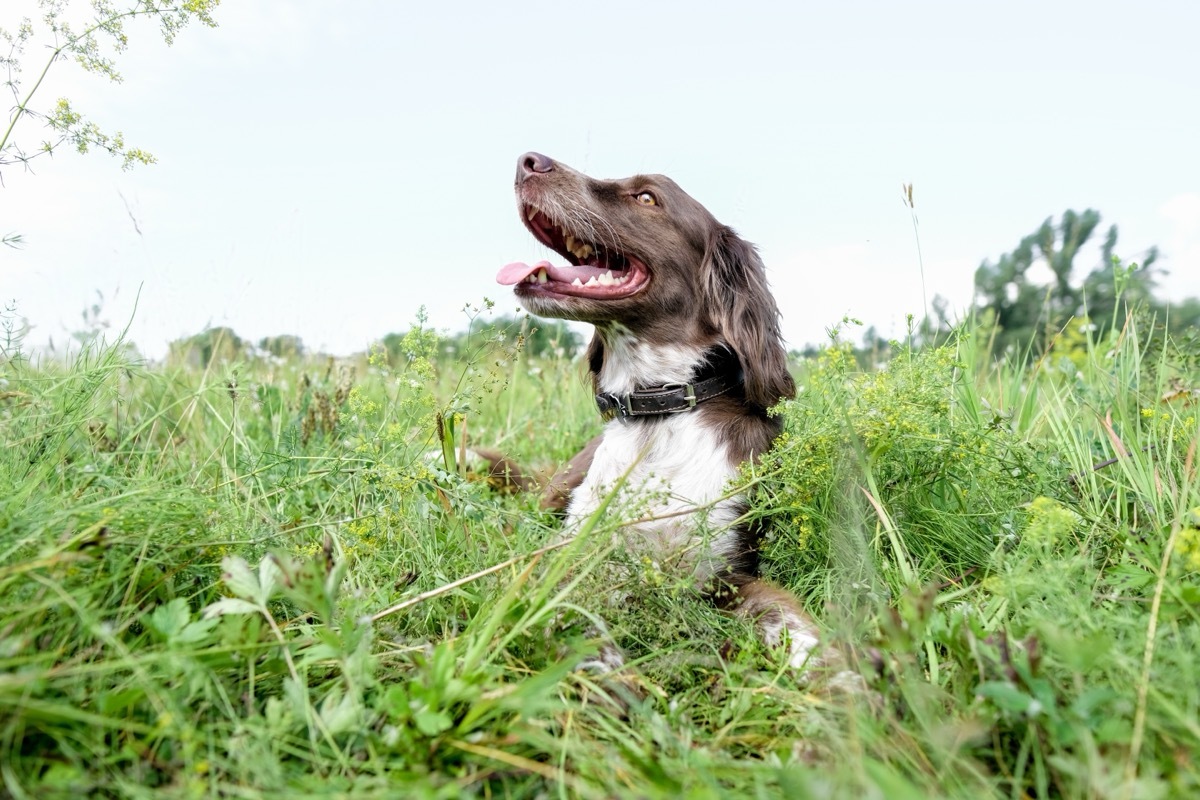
<point x="676" y="470"/>
<point x="630" y="363"/>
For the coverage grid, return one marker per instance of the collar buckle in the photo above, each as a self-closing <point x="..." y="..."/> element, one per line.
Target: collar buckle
<point x="721" y="373"/>
<point x="689" y="394"/>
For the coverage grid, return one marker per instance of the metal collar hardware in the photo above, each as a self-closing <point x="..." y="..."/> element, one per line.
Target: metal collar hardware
<point x="723" y="374"/>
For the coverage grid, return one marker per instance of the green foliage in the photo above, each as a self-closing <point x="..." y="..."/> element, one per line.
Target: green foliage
<point x="542" y="338"/>
<point x="92" y="39"/>
<point x="213" y="346"/>
<point x="1029" y="315"/>
<point x="285" y="346"/>
<point x="909" y="447"/>
<point x="535" y="337"/>
<point x="272" y="576"/>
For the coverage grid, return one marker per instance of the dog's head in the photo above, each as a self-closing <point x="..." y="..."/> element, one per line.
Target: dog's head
<point x="642" y="253"/>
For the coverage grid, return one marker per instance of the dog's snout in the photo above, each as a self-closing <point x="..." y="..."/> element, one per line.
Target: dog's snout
<point x="532" y="163"/>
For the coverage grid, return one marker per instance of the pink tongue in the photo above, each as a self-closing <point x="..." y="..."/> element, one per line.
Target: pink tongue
<point x="518" y="271"/>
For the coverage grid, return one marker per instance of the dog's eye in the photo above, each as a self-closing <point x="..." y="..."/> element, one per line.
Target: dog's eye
<point x="647" y="199"/>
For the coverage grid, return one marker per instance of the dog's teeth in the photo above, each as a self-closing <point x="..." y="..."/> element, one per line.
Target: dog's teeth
<point x="570" y="240"/>
<point x="592" y="281"/>
<point x="606" y="279"/>
<point x="531" y="213"/>
<point x="541" y="276"/>
<point x="577" y="282"/>
<point x="584" y="251"/>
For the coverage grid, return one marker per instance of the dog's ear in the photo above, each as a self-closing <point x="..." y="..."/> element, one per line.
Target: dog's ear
<point x="743" y="310"/>
<point x="595" y="359"/>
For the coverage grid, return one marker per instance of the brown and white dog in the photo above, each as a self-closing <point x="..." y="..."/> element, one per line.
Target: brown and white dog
<point x="686" y="359"/>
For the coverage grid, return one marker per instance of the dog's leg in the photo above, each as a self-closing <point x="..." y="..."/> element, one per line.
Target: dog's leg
<point x="608" y="658"/>
<point x="782" y="623"/>
<point x="779" y="619"/>
<point x="557" y="493"/>
<point x="503" y="473"/>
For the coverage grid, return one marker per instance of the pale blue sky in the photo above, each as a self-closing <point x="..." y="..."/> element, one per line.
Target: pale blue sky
<point x="327" y="168"/>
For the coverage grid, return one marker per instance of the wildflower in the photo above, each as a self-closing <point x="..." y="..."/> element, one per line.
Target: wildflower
<point x="1188" y="547"/>
<point x="1049" y="521"/>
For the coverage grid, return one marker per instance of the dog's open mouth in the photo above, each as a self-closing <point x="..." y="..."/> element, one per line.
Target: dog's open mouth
<point x="594" y="271"/>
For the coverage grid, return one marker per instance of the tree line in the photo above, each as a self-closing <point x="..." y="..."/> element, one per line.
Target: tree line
<point x="1028" y="300"/>
<point x="1029" y="313"/>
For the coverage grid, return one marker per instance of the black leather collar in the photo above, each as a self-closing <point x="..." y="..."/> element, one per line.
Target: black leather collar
<point x="721" y="374"/>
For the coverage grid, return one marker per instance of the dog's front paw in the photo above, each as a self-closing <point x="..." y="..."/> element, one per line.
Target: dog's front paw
<point x="608" y="658"/>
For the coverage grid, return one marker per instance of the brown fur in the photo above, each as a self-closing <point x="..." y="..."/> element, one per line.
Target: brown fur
<point x="557" y="492"/>
<point x="706" y="290"/>
<point x="707" y="285"/>
<point x="503" y="473"/>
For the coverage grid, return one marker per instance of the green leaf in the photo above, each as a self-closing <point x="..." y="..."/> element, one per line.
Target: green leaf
<point x="197" y="631"/>
<point x="173" y="621"/>
<point x="431" y="723"/>
<point x="894" y="785"/>
<point x="1078" y="652"/>
<point x="278" y="715"/>
<point x="445" y="430"/>
<point x="169" y="619"/>
<point x="113" y="703"/>
<point x="64" y="777"/>
<point x="1005" y="696"/>
<point x="239" y="578"/>
<point x="297" y="696"/>
<point x="341" y="713"/>
<point x="317" y="653"/>
<point x="230" y="605"/>
<point x="1190" y="594"/>
<point x="269" y="578"/>
<point x="1090" y="703"/>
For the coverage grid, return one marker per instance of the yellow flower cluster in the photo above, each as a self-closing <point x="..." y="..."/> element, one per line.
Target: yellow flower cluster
<point x="1167" y="423"/>
<point x="1188" y="548"/>
<point x="378" y="357"/>
<point x="1048" y="521"/>
<point x="360" y="404"/>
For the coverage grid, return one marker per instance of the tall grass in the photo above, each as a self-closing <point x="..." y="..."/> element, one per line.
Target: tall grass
<point x="272" y="578"/>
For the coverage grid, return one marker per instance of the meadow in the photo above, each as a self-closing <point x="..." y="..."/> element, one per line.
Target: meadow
<point x="279" y="577"/>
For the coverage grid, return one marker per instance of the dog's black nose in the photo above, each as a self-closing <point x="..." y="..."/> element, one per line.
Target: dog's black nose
<point x="530" y="163"/>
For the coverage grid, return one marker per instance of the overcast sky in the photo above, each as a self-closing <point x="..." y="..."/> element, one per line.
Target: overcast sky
<point x="325" y="169"/>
